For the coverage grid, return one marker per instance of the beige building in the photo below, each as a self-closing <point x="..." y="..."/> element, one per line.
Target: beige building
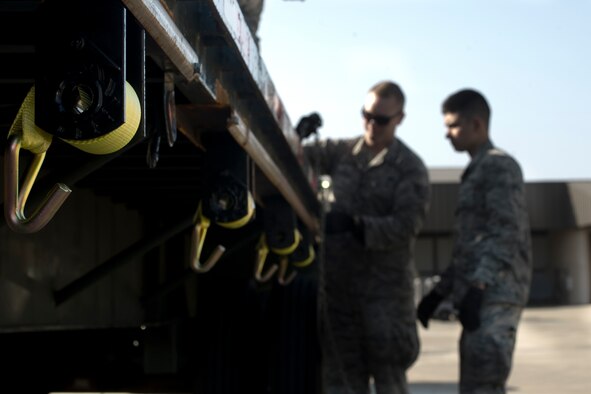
<point x="560" y="217"/>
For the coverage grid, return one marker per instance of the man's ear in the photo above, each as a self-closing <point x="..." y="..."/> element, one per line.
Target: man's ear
<point x="401" y="118"/>
<point x="479" y="126"/>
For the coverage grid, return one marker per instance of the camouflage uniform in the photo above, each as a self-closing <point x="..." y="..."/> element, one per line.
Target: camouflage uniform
<point x="492" y="247"/>
<point x="366" y="297"/>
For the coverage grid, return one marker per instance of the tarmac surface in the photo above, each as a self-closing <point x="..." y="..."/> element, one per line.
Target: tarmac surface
<point x="552" y="355"/>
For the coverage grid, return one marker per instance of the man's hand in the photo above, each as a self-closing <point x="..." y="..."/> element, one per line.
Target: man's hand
<point x="469" y="311"/>
<point x="308" y="125"/>
<point x="338" y="222"/>
<point x="427" y="307"/>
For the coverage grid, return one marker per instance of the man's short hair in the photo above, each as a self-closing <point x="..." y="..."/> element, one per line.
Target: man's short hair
<point x="385" y="89"/>
<point x="467" y="102"/>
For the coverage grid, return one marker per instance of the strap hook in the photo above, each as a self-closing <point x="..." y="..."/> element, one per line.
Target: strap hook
<point x="283" y="263"/>
<point x="15" y="200"/>
<point x="263" y="252"/>
<point x="202" y="224"/>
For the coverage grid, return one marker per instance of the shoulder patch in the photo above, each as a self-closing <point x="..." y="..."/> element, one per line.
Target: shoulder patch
<point x="496" y="152"/>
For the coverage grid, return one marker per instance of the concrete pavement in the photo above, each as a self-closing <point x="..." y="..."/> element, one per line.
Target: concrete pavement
<point x="552" y="356"/>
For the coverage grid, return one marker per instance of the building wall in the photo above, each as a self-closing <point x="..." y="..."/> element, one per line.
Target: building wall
<point x="547" y="283"/>
<point x="571" y="256"/>
<point x="560" y="219"/>
<point x="561" y="264"/>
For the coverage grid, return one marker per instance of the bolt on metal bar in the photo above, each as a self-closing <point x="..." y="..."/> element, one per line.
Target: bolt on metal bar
<point x="160" y="26"/>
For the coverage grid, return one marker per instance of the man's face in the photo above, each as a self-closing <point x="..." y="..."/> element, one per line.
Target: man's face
<point x="462" y="132"/>
<point x="380" y="118"/>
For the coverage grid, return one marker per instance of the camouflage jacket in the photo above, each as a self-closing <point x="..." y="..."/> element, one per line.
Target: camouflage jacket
<point x="389" y="194"/>
<point x="492" y="231"/>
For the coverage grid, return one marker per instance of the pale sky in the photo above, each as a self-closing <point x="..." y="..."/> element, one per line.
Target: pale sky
<point x="530" y="58"/>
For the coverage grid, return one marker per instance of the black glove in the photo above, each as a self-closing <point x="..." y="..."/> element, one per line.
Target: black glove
<point x="469" y="310"/>
<point x="338" y="222"/>
<point x="427" y="307"/>
<point x="308" y="125"/>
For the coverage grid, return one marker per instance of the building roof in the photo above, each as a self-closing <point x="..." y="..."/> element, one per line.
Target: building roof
<point x="551" y="205"/>
<point x="445" y="174"/>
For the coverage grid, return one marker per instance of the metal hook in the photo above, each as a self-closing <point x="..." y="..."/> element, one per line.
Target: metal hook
<point x="197" y="240"/>
<point x="170" y="123"/>
<point x="153" y="153"/>
<point x="283" y="270"/>
<point x="170" y="108"/>
<point x="263" y="251"/>
<point x="14" y="207"/>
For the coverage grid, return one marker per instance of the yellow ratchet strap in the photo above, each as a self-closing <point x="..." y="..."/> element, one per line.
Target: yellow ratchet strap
<point x="25" y="134"/>
<point x="306" y="262"/>
<point x="289" y="249"/>
<point x="243" y="220"/>
<point x="118" y="138"/>
<point x="37" y="141"/>
<point x="32" y="138"/>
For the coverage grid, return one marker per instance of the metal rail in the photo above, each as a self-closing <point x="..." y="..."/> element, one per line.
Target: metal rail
<point x="254" y="148"/>
<point x="155" y="19"/>
<point x="264" y="129"/>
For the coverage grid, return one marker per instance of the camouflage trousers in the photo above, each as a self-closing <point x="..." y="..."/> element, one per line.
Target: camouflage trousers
<point x="367" y="323"/>
<point x="486" y="354"/>
<point x="366" y="340"/>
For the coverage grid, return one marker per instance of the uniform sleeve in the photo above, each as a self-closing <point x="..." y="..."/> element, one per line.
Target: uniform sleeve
<point x="505" y="202"/>
<point x="408" y="214"/>
<point x="324" y="155"/>
<point x="445" y="285"/>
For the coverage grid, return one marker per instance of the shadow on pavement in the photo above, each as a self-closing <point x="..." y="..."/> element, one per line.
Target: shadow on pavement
<point x="433" y="388"/>
<point x="441" y="388"/>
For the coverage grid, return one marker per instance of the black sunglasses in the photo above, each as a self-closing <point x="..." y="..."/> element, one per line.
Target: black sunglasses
<point x="380" y="120"/>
